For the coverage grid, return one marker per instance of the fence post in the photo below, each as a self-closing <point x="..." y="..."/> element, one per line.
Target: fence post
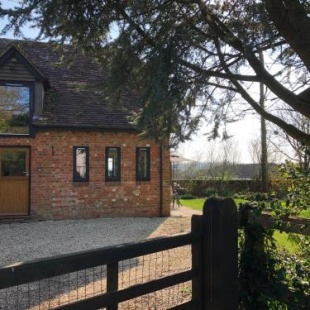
<point x="112" y="281"/>
<point x="220" y="254"/>
<point x="197" y="263"/>
<point x="255" y="263"/>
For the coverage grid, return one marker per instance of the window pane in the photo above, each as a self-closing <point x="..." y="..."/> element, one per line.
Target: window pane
<point x="143" y="163"/>
<point x="13" y="163"/>
<point x="112" y="164"/>
<point x="14" y="109"/>
<point x="81" y="164"/>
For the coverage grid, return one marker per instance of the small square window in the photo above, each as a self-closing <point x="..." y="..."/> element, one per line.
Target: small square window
<point x="143" y="163"/>
<point x="112" y="164"/>
<point x="80" y="164"/>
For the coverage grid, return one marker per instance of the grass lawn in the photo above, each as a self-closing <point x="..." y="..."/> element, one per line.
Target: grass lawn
<point x="197" y="203"/>
<point x="283" y="242"/>
<point x="306" y="213"/>
<point x="281" y="238"/>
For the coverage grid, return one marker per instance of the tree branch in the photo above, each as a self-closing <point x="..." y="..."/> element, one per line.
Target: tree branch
<point x="212" y="73"/>
<point x="277" y="88"/>
<point x="288" y="128"/>
<point x="292" y="22"/>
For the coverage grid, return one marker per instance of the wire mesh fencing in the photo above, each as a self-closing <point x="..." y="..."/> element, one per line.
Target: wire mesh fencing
<point x="154" y="266"/>
<point x="191" y="271"/>
<point x="69" y="288"/>
<point x="56" y="291"/>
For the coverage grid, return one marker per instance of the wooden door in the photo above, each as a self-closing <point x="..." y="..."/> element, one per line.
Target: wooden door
<point x="14" y="181"/>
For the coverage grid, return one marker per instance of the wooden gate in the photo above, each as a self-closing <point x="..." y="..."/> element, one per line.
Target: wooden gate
<point x="14" y="181"/>
<point x="146" y="273"/>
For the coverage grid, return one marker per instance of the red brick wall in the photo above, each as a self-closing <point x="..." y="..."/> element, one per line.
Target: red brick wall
<point x="54" y="195"/>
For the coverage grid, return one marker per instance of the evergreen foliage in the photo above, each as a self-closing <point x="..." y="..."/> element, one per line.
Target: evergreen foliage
<point x="188" y="60"/>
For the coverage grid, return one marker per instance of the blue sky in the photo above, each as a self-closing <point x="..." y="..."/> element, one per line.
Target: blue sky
<point x="28" y="32"/>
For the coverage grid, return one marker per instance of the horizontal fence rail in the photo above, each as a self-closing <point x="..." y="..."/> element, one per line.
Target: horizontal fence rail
<point x="266" y="274"/>
<point x="290" y="224"/>
<point x="109" y="263"/>
<point x="296" y="225"/>
<point x="35" y="270"/>
<point x="198" y="270"/>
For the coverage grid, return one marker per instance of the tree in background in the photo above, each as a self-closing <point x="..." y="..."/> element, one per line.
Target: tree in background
<point x="189" y="169"/>
<point x="217" y="162"/>
<point x="184" y="56"/>
<point x="222" y="160"/>
<point x="293" y="149"/>
<point x="274" y="154"/>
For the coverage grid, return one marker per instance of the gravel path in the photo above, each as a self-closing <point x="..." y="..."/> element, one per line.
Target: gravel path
<point x="32" y="240"/>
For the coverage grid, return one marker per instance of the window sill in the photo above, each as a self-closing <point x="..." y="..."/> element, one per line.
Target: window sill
<point x="112" y="183"/>
<point x="80" y="183"/>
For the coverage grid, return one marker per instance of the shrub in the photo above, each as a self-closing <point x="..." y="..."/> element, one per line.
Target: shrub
<point x="225" y="193"/>
<point x="270" y="278"/>
<point x="187" y="196"/>
<point x="210" y="191"/>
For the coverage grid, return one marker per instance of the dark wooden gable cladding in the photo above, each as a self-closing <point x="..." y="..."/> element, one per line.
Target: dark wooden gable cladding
<point x="72" y="101"/>
<point x="15" y="65"/>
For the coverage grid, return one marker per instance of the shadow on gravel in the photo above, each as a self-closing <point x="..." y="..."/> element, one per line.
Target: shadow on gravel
<point x="35" y="240"/>
<point x="32" y="240"/>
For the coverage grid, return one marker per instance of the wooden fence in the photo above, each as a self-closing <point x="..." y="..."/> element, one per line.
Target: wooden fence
<point x="213" y="274"/>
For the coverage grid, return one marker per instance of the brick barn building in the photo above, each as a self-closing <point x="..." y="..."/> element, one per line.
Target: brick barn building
<point x="64" y="153"/>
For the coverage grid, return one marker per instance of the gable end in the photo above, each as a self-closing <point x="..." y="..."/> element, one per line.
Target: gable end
<point x="16" y="57"/>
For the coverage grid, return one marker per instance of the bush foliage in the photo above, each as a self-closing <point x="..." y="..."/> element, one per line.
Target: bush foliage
<point x="271" y="278"/>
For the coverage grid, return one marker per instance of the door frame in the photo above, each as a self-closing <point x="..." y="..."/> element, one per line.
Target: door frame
<point x="28" y="149"/>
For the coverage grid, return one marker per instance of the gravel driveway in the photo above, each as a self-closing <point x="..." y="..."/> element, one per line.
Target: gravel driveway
<point x="31" y="240"/>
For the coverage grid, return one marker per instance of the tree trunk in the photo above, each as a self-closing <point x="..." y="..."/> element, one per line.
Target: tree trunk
<point x="264" y="159"/>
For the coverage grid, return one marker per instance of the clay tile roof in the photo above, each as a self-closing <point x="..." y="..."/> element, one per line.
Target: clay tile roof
<point x="69" y="102"/>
